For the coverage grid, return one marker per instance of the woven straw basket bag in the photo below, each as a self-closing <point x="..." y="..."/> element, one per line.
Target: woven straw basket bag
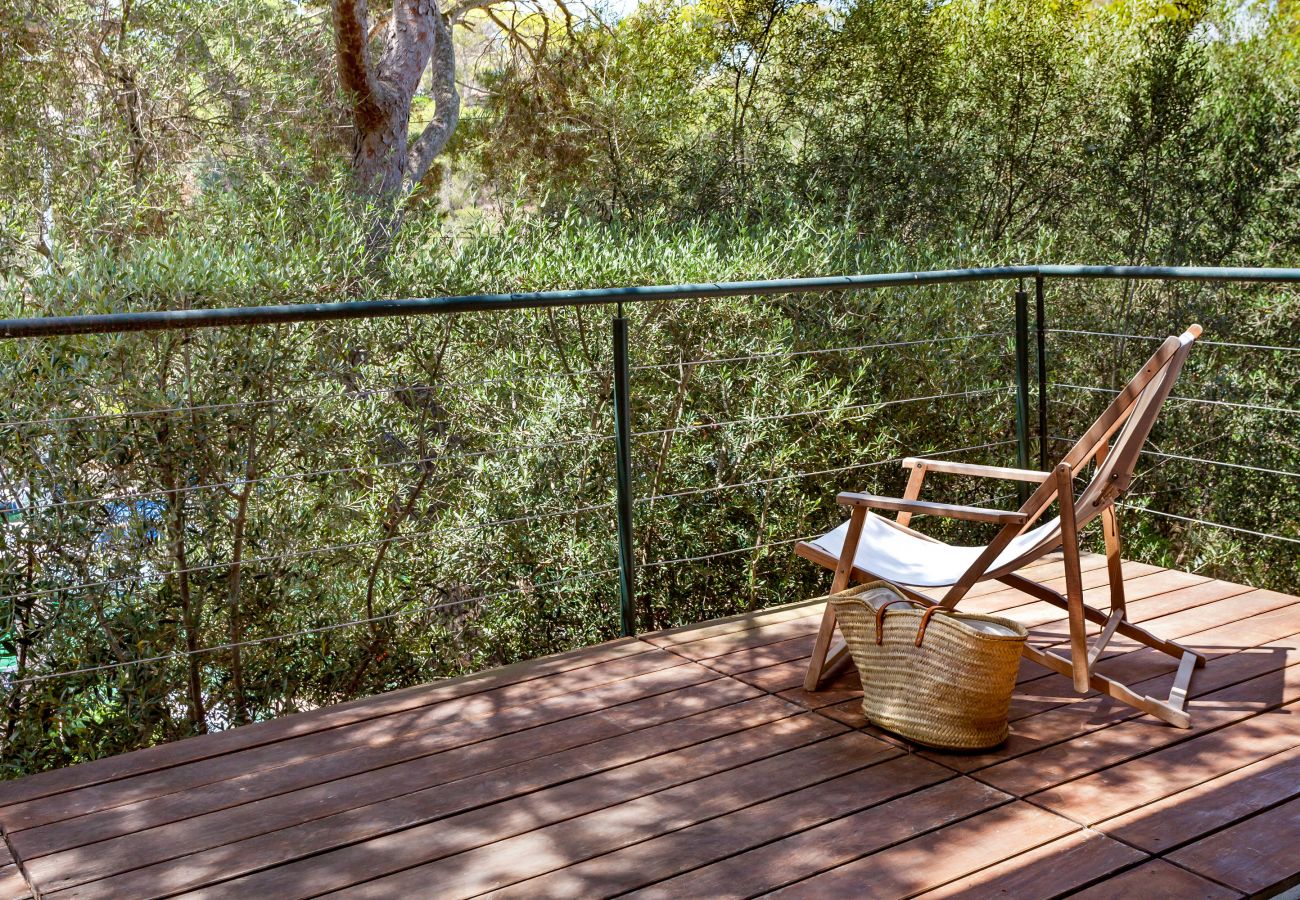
<point x="933" y="676"/>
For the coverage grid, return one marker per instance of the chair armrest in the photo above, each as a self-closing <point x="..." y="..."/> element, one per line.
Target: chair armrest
<point x="958" y="468"/>
<point x="947" y="510"/>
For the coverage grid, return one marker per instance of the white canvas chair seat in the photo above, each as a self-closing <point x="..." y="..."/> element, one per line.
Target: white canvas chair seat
<point x="897" y="554"/>
<point x="869" y="546"/>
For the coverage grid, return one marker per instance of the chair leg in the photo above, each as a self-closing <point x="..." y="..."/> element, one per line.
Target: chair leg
<point x="1170" y="710"/>
<point x="818" y="667"/>
<point x="1110" y="527"/>
<point x="1114" y="563"/>
<point x="1099" y="645"/>
<point x="1073" y="578"/>
<point x="1097" y="617"/>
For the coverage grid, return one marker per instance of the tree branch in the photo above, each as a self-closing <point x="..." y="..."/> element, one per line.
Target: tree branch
<point x="412" y="36"/>
<point x="446" y="111"/>
<point x="356" y="71"/>
<point x="458" y="11"/>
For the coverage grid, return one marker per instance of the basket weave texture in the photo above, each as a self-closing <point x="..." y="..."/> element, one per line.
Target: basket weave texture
<point x="950" y="689"/>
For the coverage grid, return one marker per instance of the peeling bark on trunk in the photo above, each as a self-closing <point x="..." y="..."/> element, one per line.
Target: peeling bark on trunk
<point x="387" y="166"/>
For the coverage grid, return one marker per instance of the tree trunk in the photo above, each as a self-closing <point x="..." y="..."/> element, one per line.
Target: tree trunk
<point x="191" y="612"/>
<point x="386" y="165"/>
<point x="234" y="581"/>
<point x="190" y="615"/>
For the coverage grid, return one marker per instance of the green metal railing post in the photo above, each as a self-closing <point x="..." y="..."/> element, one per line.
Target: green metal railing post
<point x="1022" y="385"/>
<point x="1040" y="321"/>
<point x="623" y="454"/>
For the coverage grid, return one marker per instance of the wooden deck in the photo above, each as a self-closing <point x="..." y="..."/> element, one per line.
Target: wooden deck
<point x="690" y="763"/>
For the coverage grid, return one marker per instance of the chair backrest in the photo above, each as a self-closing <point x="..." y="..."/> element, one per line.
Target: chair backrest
<point x="1114" y="472"/>
<point x="1132" y="414"/>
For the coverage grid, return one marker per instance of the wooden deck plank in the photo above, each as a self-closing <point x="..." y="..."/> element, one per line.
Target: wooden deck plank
<point x="1066" y="864"/>
<point x="1052" y="572"/>
<point x="787" y="674"/>
<point x="710" y="649"/>
<point x="453" y="762"/>
<point x="1255" y="855"/>
<point x="846" y="686"/>
<point x="1094" y="576"/>
<point x="677" y="852"/>
<point x="685" y="634"/>
<point x="938" y="857"/>
<point x="1221" y="612"/>
<point x="12" y="884"/>
<point x="1199" y="614"/>
<point x="440" y="796"/>
<point x="1058" y="714"/>
<point x="446" y="839"/>
<point x="553" y="847"/>
<point x="368" y="744"/>
<point x="686" y="763"/>
<point x="1156" y="880"/>
<point x="761" y="657"/>
<point x="1132" y="663"/>
<point x="1149" y="600"/>
<point x="824" y="847"/>
<point x="1198" y="811"/>
<point x="1154" y="776"/>
<point x="200" y="747"/>
<point x="1034" y="728"/>
<point x="1133" y="737"/>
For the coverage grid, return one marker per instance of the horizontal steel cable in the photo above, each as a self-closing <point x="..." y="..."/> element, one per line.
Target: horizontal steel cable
<point x="363" y="394"/>
<point x="217" y="648"/>
<point x="316" y="551"/>
<point x="431" y="532"/>
<point x="690" y="559"/>
<point x="1252" y="406"/>
<point x="126" y="498"/>
<point x="797" y="475"/>
<point x="762" y="481"/>
<point x="722" y="553"/>
<point x="1197" y="459"/>
<point x="760" y="546"/>
<point x="1169" y="515"/>
<point x="1144" y="337"/>
<point x="1219" y="462"/>
<point x="988" y="502"/>
<point x="687" y="429"/>
<point x="368" y="393"/>
<point x="788" y="354"/>
<point x="296" y="476"/>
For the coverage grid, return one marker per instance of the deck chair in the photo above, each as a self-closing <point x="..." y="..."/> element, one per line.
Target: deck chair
<point x="869" y="546"/>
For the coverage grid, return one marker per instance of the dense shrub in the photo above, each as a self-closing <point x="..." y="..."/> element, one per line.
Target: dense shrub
<point x="221" y="526"/>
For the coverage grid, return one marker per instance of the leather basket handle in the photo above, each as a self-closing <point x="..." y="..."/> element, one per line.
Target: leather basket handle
<point x="925" y="623"/>
<point x="880" y="617"/>
<point x="920" y="631"/>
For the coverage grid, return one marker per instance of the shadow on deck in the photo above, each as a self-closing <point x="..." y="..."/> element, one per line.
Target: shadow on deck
<point x="691" y="763"/>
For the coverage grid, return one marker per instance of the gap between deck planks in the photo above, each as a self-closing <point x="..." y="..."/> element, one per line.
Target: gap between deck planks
<point x="691" y="760"/>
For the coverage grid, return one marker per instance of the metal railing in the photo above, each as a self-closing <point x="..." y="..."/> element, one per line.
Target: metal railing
<point x="1030" y="333"/>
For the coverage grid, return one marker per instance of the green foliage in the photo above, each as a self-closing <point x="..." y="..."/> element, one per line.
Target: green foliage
<point x="1130" y="132"/>
<point x="224" y="526"/>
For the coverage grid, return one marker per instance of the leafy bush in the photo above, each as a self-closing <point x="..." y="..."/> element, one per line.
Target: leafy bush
<point x="212" y="527"/>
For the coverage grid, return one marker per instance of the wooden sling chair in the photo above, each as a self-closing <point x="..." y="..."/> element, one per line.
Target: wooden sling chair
<point x="869" y="547"/>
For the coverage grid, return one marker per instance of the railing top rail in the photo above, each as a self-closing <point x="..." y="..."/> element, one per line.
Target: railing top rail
<point x="177" y="319"/>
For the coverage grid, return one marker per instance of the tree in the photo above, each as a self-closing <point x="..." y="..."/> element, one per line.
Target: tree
<point x="418" y="37"/>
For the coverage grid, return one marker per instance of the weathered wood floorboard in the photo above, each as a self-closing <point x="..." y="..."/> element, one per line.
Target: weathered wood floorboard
<point x="691" y="763"/>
